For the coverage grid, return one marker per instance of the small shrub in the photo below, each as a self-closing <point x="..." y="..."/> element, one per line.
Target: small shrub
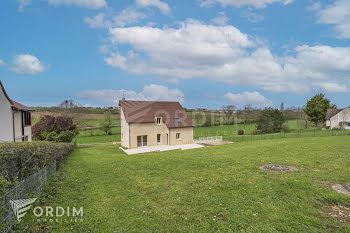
<point x="106" y="123"/>
<point x="51" y="136"/>
<point x="270" y="121"/>
<point x="286" y="127"/>
<point x="43" y="126"/>
<point x="50" y="128"/>
<point x="255" y="132"/>
<point x="208" y="121"/>
<point x="241" y="132"/>
<point x="65" y="136"/>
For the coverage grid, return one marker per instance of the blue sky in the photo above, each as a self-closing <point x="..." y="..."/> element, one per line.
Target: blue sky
<point x="203" y="53"/>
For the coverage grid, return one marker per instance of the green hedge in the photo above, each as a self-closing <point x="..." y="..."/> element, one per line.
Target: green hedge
<point x="20" y="160"/>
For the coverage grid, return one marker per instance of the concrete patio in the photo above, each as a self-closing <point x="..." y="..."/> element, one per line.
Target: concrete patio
<point x="160" y="148"/>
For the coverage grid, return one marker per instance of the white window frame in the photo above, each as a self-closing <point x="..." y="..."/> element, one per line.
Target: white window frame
<point x="160" y="120"/>
<point x="178" y="138"/>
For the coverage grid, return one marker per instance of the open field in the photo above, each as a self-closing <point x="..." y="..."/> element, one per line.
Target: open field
<point x="213" y="189"/>
<point x="249" y="128"/>
<point x="227" y="131"/>
<point x="90" y="119"/>
<point x="98" y="136"/>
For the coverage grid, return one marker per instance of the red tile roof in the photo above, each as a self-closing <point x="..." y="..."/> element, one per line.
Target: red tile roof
<point x="172" y="113"/>
<point x="332" y="112"/>
<point x="15" y="105"/>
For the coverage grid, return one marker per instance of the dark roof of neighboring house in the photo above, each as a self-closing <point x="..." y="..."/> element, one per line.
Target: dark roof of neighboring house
<point x="15" y="105"/>
<point x="332" y="112"/>
<point x="172" y="113"/>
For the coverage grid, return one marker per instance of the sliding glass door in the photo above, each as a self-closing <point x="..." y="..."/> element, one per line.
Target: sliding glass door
<point x="141" y="141"/>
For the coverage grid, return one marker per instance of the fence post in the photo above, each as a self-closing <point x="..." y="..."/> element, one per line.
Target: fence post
<point x="332" y="132"/>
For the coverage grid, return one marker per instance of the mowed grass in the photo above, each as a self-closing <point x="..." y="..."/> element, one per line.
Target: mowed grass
<point x="225" y="130"/>
<point x="98" y="136"/>
<point x="95" y="122"/>
<point x="228" y="131"/>
<point x="213" y="189"/>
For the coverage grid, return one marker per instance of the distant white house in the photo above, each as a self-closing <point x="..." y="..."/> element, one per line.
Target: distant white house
<point x="338" y="118"/>
<point x="15" y="119"/>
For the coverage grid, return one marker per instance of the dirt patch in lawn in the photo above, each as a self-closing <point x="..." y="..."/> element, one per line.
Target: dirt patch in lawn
<point x="342" y="188"/>
<point x="339" y="212"/>
<point x="277" y="167"/>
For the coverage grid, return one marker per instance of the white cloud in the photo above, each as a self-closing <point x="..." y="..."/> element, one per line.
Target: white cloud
<point x="151" y="92"/>
<point x="126" y="17"/>
<point x="314" y="7"/>
<point x="240" y="3"/>
<point x="98" y="21"/>
<point x="162" y="6"/>
<point x="27" y="64"/>
<point x="221" y="19"/>
<point x="332" y="87"/>
<point x="224" y="54"/>
<point x="93" y="4"/>
<point x="252" y="16"/>
<point x="23" y="4"/>
<point x="253" y="98"/>
<point x="2" y="63"/>
<point x="339" y="15"/>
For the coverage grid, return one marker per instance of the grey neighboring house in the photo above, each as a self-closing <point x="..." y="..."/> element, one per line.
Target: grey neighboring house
<point x="338" y="118"/>
<point x="15" y="119"/>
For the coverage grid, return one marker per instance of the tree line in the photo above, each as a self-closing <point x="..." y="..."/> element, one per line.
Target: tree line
<point x="272" y="120"/>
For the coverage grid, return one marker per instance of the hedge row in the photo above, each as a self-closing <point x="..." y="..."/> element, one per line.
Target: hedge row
<point x="20" y="160"/>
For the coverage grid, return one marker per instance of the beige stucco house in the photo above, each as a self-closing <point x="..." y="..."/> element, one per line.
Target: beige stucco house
<point x="15" y="119"/>
<point x="152" y="123"/>
<point x="338" y="118"/>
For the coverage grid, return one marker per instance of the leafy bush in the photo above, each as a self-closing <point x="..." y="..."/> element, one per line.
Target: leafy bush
<point x="65" y="136"/>
<point x="51" y="136"/>
<point x="270" y="121"/>
<point x="106" y="123"/>
<point x="241" y="132"/>
<point x="56" y="129"/>
<point x="255" y="132"/>
<point x="286" y="127"/>
<point x="43" y="126"/>
<point x="208" y="121"/>
<point x="20" y="160"/>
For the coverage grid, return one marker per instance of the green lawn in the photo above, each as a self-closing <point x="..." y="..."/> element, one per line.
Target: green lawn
<point x="95" y="122"/>
<point x="228" y="131"/>
<point x="98" y="136"/>
<point x="213" y="189"/>
<point x="223" y="130"/>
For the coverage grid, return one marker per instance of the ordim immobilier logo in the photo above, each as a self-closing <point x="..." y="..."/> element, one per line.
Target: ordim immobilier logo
<point x="46" y="214"/>
<point x="20" y="207"/>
